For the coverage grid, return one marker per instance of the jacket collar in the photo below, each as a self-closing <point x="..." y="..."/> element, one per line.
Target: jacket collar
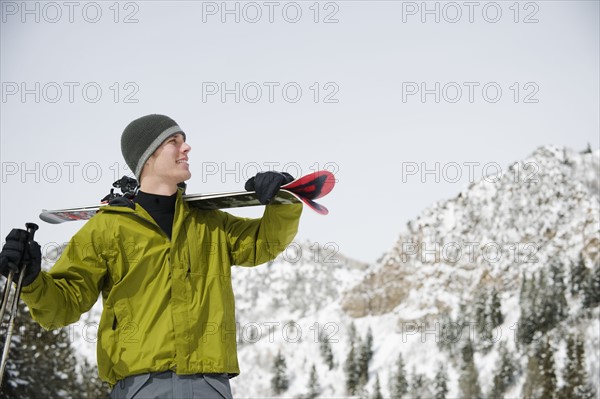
<point x="181" y="210"/>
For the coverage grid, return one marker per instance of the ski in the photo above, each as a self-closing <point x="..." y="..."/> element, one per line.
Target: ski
<point x="305" y="190"/>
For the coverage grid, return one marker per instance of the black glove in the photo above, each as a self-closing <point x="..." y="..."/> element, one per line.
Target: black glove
<point x="17" y="250"/>
<point x="266" y="184"/>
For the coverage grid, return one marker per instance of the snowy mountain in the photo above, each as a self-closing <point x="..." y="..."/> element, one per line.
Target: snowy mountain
<point x="494" y="255"/>
<point x="491" y="236"/>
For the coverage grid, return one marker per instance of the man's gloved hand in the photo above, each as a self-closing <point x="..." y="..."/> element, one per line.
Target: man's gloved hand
<point x="17" y="250"/>
<point x="266" y="184"/>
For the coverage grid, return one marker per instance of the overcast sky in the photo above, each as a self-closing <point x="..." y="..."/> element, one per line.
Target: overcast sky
<point x="406" y="102"/>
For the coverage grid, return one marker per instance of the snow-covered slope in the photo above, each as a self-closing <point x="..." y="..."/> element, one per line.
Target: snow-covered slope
<point x="284" y="306"/>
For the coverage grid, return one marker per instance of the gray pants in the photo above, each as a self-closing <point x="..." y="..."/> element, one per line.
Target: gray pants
<point x="170" y="385"/>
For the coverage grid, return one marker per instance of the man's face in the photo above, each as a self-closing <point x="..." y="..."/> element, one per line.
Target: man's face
<point x="169" y="163"/>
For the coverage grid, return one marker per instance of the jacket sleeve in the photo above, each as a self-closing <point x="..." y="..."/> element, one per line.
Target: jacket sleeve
<point x="59" y="297"/>
<point x="256" y="241"/>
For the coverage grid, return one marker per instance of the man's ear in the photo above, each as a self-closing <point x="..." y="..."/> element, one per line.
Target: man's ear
<point x="144" y="168"/>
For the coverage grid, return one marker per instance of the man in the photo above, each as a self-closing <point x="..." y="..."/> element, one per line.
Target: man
<point x="163" y="270"/>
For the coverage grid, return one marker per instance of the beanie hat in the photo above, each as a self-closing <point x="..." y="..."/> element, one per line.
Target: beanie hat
<point x="143" y="136"/>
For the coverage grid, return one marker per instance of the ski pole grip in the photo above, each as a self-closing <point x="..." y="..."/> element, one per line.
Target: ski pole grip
<point x="31" y="229"/>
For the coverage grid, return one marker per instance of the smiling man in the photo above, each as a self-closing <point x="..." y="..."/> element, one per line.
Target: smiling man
<point x="164" y="272"/>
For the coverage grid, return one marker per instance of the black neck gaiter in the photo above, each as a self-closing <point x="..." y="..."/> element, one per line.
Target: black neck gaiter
<point x="160" y="207"/>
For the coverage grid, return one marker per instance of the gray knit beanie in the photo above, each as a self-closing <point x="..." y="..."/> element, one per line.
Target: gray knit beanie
<point x="143" y="136"/>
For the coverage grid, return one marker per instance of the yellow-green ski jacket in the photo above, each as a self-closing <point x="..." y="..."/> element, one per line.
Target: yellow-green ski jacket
<point x="168" y="304"/>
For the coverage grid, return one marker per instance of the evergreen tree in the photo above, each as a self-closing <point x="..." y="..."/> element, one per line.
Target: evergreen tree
<point x="591" y="293"/>
<point x="523" y="292"/>
<point x="314" y="388"/>
<point x="531" y="386"/>
<point x="488" y="316"/>
<point x="506" y="373"/>
<point x="548" y="374"/>
<point x="480" y="311"/>
<point x="369" y="344"/>
<point x="399" y="382"/>
<point x="325" y="349"/>
<point x="546" y="307"/>
<point x="92" y="385"/>
<point x="572" y="372"/>
<point x="482" y="320"/>
<point x="352" y="334"/>
<point x="41" y="363"/>
<point x="362" y="392"/>
<point x="456" y="330"/>
<point x="575" y="378"/>
<point x="377" y="390"/>
<point x="279" y="381"/>
<point x="351" y="365"/>
<point x="496" y="317"/>
<point x="557" y="294"/>
<point x="364" y="358"/>
<point x="540" y="381"/>
<point x="352" y="371"/>
<point x="543" y="304"/>
<point x="578" y="275"/>
<point x="468" y="383"/>
<point x="419" y="386"/>
<point x="440" y="383"/>
<point x="417" y="382"/>
<point x="585" y="390"/>
<point x="527" y="325"/>
<point x="448" y="333"/>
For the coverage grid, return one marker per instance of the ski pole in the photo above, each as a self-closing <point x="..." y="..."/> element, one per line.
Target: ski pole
<point x="7" y="286"/>
<point x="12" y="306"/>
